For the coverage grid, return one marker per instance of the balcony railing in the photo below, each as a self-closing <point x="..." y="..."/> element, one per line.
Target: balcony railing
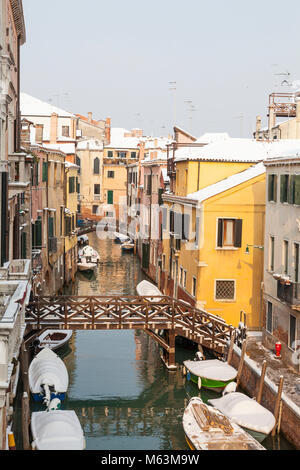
<point x="289" y="292"/>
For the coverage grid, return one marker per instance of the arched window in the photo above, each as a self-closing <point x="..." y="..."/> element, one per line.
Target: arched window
<point x="97" y="166"/>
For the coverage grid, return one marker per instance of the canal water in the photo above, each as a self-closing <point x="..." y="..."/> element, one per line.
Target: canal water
<point x="123" y="395"/>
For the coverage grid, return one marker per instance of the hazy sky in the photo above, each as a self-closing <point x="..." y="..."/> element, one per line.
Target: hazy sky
<point x="116" y="59"/>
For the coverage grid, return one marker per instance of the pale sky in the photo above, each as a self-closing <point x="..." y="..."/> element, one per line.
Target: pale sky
<point x="116" y="59"/>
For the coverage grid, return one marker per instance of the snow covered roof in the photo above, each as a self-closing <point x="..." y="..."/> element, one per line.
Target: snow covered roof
<point x="31" y="106"/>
<point x="210" y="137"/>
<point x="119" y="141"/>
<point x="228" y="183"/>
<point x="66" y="148"/>
<point x="91" y="144"/>
<point x="235" y="149"/>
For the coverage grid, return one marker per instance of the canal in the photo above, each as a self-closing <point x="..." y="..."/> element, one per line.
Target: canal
<point x="122" y="393"/>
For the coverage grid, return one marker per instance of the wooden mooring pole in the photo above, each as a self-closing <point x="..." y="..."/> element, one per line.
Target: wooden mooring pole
<point x="277" y="404"/>
<point x="25" y="421"/>
<point x="262" y="380"/>
<point x="230" y="352"/>
<point x="238" y="377"/>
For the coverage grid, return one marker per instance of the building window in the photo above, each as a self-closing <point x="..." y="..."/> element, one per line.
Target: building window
<point x="78" y="208"/>
<point x="285" y="256"/>
<point x="133" y="155"/>
<point x="163" y="262"/>
<point x="271" y="253"/>
<point x="294" y="192"/>
<point x="96" y="166"/>
<point x="229" y="233"/>
<point x="292" y="332"/>
<point x="109" y="214"/>
<point x="181" y="276"/>
<point x="110" y="174"/>
<point x="121" y="154"/>
<point x="272" y="188"/>
<point x="224" y="289"/>
<point x="95" y="209"/>
<point x="66" y="131"/>
<point x="284" y="187"/>
<point x="194" y="286"/>
<point x="78" y="163"/>
<point x="97" y="189"/>
<point x="269" y="319"/>
<point x="110" y="154"/>
<point x="72" y="184"/>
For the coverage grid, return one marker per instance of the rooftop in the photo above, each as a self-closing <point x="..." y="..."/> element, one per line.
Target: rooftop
<point x="31" y="106"/>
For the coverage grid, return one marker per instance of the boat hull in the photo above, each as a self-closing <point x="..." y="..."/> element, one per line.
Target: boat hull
<point x="258" y="436"/>
<point x="215" y="385"/>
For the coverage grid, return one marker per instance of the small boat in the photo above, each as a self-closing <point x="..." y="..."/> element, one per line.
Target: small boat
<point x="54" y="339"/>
<point x="83" y="240"/>
<point x="211" y="373"/>
<point x="146" y="288"/>
<point x="206" y="428"/>
<point x="56" y="430"/>
<point x="121" y="238"/>
<point x="247" y="413"/>
<point x="88" y="254"/>
<point x="127" y="246"/>
<point x="86" y="266"/>
<point x="48" y="376"/>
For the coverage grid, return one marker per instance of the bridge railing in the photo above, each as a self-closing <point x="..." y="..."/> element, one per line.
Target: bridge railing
<point x="123" y="312"/>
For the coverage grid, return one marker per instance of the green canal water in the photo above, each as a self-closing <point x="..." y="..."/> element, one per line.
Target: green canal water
<point x="122" y="393"/>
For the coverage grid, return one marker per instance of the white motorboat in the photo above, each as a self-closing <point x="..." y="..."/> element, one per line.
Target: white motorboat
<point x="48" y="376"/>
<point x="146" y="288"/>
<point x="206" y="428"/>
<point x="121" y="238"/>
<point x="127" y="246"/>
<point x="56" y="430"/>
<point x="54" y="339"/>
<point x="86" y="266"/>
<point x="246" y="412"/>
<point x="211" y="373"/>
<point x="87" y="254"/>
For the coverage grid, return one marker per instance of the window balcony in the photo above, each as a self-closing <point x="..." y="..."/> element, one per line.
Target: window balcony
<point x="289" y="292"/>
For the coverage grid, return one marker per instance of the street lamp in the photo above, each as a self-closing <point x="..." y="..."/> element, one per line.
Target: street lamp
<point x="247" y="251"/>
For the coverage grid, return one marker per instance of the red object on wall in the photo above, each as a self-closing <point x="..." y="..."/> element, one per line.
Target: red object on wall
<point x="278" y="348"/>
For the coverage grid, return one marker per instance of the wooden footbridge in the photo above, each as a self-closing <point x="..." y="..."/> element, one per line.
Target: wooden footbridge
<point x="151" y="314"/>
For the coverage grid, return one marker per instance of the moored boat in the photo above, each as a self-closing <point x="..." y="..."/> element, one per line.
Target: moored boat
<point x="211" y="373"/>
<point x="121" y="238"/>
<point x="82" y="240"/>
<point x="146" y="288"/>
<point x="88" y="254"/>
<point x="54" y="339"/>
<point x="84" y="266"/>
<point x="127" y="246"/>
<point x="48" y="376"/>
<point x="56" y="430"/>
<point x="247" y="413"/>
<point x="206" y="428"/>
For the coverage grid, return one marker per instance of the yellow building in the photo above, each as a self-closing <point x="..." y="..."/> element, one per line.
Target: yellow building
<point x="70" y="210"/>
<point x="211" y="223"/>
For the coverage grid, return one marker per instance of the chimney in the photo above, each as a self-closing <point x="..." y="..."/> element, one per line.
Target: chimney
<point x="53" y="128"/>
<point x="258" y="126"/>
<point x="107" y="131"/>
<point x="90" y="117"/>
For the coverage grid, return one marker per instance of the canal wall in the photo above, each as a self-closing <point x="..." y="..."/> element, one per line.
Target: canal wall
<point x="249" y="381"/>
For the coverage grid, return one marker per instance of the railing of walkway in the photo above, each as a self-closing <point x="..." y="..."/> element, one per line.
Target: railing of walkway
<point x="125" y="312"/>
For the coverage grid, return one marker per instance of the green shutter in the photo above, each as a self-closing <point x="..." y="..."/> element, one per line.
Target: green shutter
<point x="23" y="245"/>
<point x="110" y="197"/>
<point x="297" y="190"/>
<point x="45" y="172"/>
<point x="238" y="233"/>
<point x="220" y="233"/>
<point x="50" y="226"/>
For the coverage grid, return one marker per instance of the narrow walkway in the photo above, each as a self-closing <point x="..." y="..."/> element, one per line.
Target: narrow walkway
<point x="275" y="368"/>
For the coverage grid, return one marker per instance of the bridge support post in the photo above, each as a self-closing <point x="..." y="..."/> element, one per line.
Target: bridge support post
<point x="169" y="354"/>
